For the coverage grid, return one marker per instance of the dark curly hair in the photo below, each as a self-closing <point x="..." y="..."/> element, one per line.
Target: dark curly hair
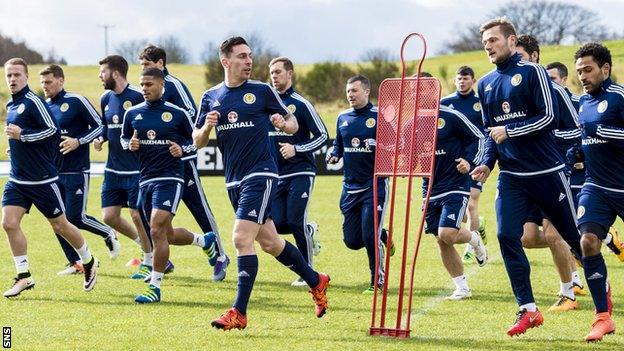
<point x="597" y="51"/>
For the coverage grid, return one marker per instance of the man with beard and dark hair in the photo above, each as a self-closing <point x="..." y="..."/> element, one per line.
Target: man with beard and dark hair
<point x="121" y="175"/>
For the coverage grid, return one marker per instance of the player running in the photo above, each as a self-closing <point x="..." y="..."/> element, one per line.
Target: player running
<point x="193" y="196"/>
<point x="79" y="125"/>
<point x="295" y="164"/>
<point x="459" y="148"/>
<point x="466" y="101"/>
<point x="520" y="114"/>
<point x="602" y="197"/>
<point x="33" y="140"/>
<point x="160" y="133"/>
<point x="243" y="111"/>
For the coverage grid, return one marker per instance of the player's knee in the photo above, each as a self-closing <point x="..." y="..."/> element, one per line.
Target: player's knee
<point x="447" y="235"/>
<point x="352" y="243"/>
<point x="472" y="207"/>
<point x="109" y="218"/>
<point x="590" y="239"/>
<point x="528" y="241"/>
<point x="10" y="224"/>
<point x="136" y="217"/>
<point x="242" y="242"/>
<point x="552" y="238"/>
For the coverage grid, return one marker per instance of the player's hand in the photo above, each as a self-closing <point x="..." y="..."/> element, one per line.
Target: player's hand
<point x="13" y="131"/>
<point x="97" y="144"/>
<point x="287" y="150"/>
<point x="331" y="159"/>
<point x="480" y="173"/>
<point x="463" y="166"/>
<point x="68" y="144"/>
<point x="499" y="134"/>
<point x="8" y="152"/>
<point x="212" y="118"/>
<point x="579" y="165"/>
<point x="134" y="141"/>
<point x="174" y="149"/>
<point x="278" y="121"/>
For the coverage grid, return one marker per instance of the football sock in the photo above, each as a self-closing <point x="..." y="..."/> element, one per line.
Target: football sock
<point x="198" y="240"/>
<point x="566" y="289"/>
<point x="474" y="238"/>
<point x="607" y="240"/>
<point x="461" y="282"/>
<point x="156" y="278"/>
<point x="596" y="276"/>
<point x="531" y="307"/>
<point x="84" y="253"/>
<point x="291" y="257"/>
<point x="247" y="271"/>
<point x="576" y="278"/>
<point x="21" y="264"/>
<point x="148" y="258"/>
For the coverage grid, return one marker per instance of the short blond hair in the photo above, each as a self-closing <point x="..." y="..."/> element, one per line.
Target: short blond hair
<point x="506" y="26"/>
<point x="17" y="61"/>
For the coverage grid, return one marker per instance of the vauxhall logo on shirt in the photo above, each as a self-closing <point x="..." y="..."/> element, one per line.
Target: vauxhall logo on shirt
<point x="232" y="118"/>
<point x="507" y="114"/>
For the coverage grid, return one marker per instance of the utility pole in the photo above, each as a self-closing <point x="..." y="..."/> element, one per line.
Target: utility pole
<point x="106" y="27"/>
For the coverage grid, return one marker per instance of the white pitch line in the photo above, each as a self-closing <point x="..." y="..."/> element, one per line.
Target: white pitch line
<point x="437" y="300"/>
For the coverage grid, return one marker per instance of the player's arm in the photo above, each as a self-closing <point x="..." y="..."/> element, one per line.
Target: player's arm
<point x="204" y="122"/>
<point x="317" y="128"/>
<point x="490" y="154"/>
<point x="186" y="132"/>
<point x="335" y="154"/>
<point x="569" y="129"/>
<point x="92" y="119"/>
<point x="543" y="96"/>
<point x="474" y="140"/>
<point x="281" y="117"/>
<point x="183" y="99"/>
<point x="614" y="135"/>
<point x="127" y="131"/>
<point x="45" y="129"/>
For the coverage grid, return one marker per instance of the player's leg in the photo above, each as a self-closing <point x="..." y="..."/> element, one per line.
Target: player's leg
<point x="299" y="192"/>
<point x="367" y="231"/>
<point x="562" y="258"/>
<point x="47" y="198"/>
<point x="595" y="215"/>
<point x="512" y="207"/>
<point x="74" y="265"/>
<point x="76" y="193"/>
<point x="195" y="200"/>
<point x="14" y="206"/>
<point x="351" y="225"/>
<point x="288" y="255"/>
<point x="279" y="206"/>
<point x="474" y="220"/>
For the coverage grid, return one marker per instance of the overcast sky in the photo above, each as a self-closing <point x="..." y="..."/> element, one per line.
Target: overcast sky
<point x="307" y="30"/>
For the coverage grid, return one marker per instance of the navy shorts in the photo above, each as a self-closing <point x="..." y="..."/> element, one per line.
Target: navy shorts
<point x="162" y="195"/>
<point x="120" y="190"/>
<point x="599" y="206"/>
<point x="46" y="197"/>
<point x="252" y="198"/>
<point x="445" y="212"/>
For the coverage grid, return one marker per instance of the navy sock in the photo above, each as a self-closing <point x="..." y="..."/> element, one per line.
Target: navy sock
<point x="596" y="275"/>
<point x="384" y="236"/>
<point x="247" y="270"/>
<point x="292" y="258"/>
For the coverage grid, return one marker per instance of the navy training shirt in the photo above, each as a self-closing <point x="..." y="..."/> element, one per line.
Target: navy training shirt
<point x="32" y="157"/>
<point x="457" y="138"/>
<point x="157" y="123"/>
<point x="602" y="121"/>
<point x="178" y="94"/>
<point x="77" y="119"/>
<point x="311" y="136"/>
<point x="114" y="106"/>
<point x="467" y="104"/>
<point x="243" y="128"/>
<point x="356" y="132"/>
<point x="518" y="95"/>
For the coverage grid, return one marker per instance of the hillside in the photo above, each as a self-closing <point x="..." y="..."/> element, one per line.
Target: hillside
<point x="84" y="79"/>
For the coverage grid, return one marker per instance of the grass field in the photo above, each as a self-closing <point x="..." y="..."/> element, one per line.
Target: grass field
<point x="58" y="315"/>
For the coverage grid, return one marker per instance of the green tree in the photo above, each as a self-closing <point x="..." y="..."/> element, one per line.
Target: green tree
<point x="325" y="82"/>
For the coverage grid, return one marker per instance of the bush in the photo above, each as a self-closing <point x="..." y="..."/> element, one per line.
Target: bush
<point x="325" y="82"/>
